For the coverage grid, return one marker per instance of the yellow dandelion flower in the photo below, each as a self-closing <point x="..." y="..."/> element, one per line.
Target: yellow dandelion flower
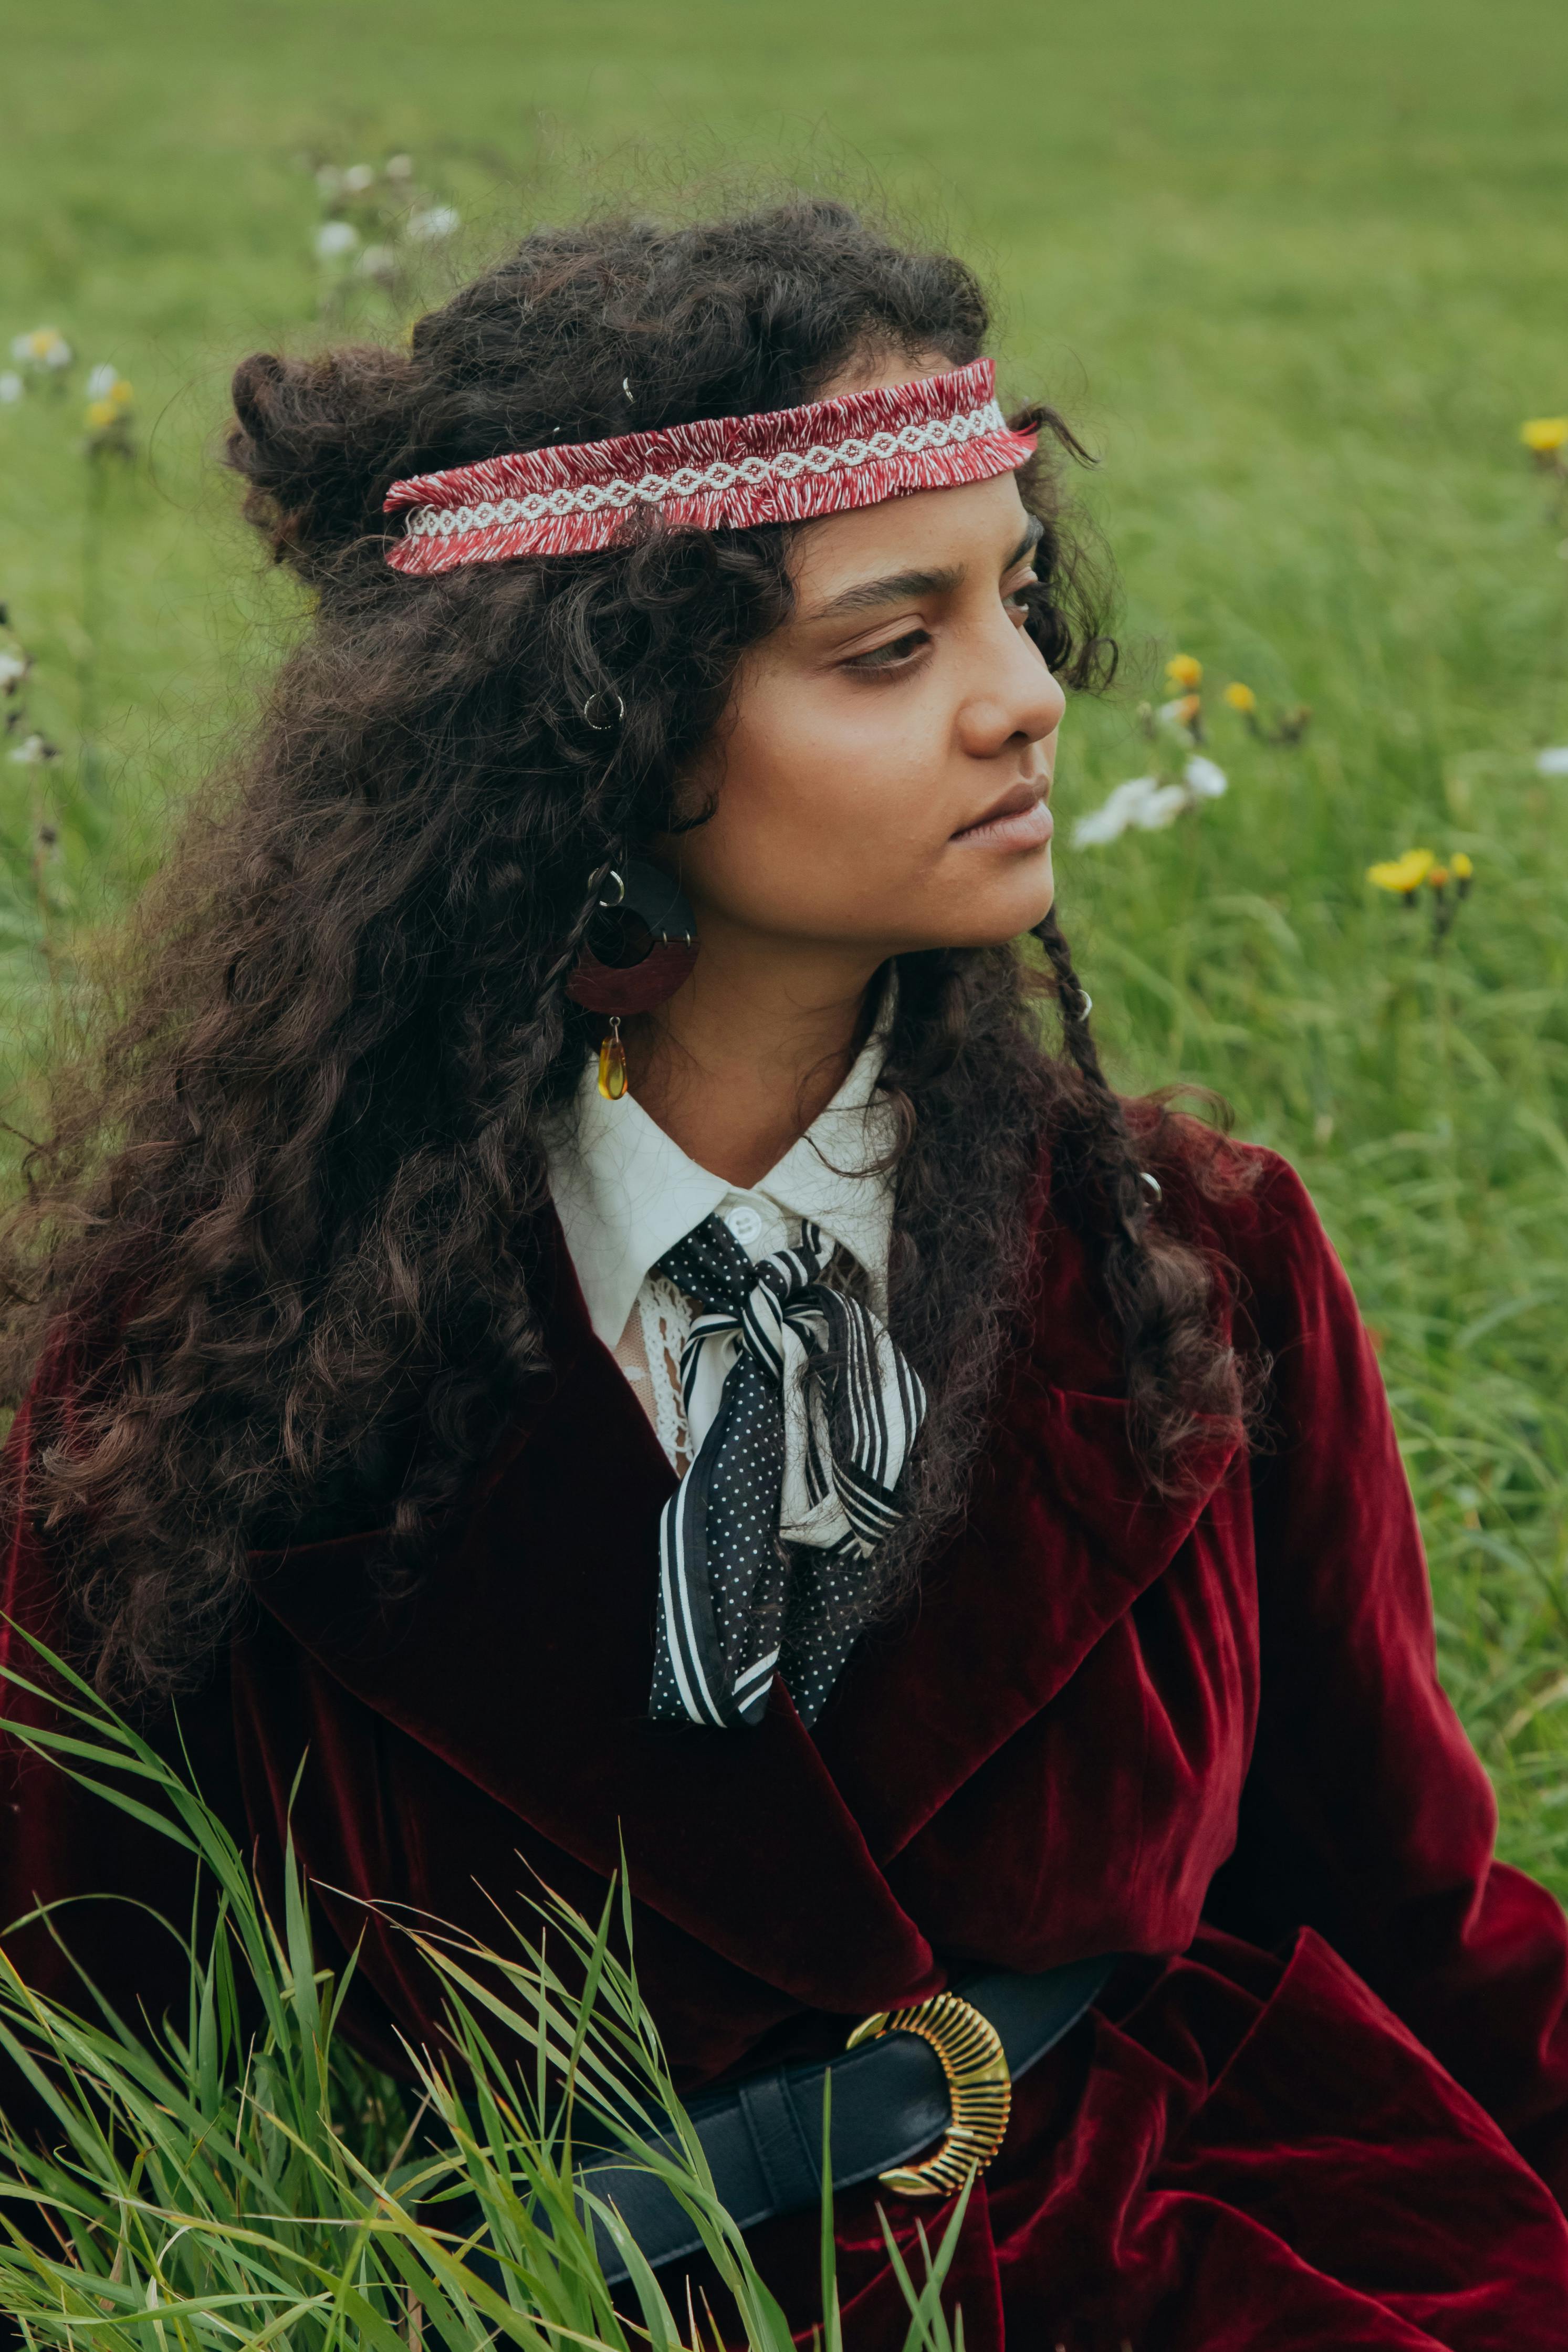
<point x="101" y="414"/>
<point x="1241" y="698"/>
<point x="1401" y="874"/>
<point x="1545" y="435"/>
<point x="1460" y="867"/>
<point x="1438" y="877"/>
<point x="1181" y="669"/>
<point x="121" y="395"/>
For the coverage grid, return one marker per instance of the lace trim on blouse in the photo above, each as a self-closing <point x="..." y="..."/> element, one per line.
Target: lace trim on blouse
<point x="649" y="1353"/>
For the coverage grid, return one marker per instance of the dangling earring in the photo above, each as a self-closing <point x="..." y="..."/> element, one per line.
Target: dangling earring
<point x="613" y="1063"/>
<point x="659" y="940"/>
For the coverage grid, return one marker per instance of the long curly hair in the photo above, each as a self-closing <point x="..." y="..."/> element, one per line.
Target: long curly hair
<point x="296" y="1219"/>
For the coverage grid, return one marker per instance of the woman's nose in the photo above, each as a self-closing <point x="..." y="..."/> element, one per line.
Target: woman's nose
<point x="1020" y="697"/>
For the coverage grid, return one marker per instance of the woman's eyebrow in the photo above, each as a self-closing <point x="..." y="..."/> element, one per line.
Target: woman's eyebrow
<point x="898" y="587"/>
<point x="894" y="588"/>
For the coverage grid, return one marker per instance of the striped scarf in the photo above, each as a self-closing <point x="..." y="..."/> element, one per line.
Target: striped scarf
<point x="790" y="1460"/>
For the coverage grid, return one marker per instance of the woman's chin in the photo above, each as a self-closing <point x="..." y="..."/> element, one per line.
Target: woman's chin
<point x="1012" y="912"/>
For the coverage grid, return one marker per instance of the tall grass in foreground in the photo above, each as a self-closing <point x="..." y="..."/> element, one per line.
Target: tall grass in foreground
<point x="217" y="2184"/>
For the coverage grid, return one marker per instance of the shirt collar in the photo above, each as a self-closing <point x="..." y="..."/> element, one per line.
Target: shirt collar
<point x="625" y="1192"/>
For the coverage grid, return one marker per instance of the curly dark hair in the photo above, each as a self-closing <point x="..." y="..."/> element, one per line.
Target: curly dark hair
<point x="297" y="1214"/>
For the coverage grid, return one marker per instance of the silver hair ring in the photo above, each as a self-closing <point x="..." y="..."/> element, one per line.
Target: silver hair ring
<point x="1153" y="1183"/>
<point x="1085" y="1004"/>
<point x="620" y="889"/>
<point x="605" y="694"/>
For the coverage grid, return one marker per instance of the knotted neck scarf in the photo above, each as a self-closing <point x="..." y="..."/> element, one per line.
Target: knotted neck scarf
<point x="794" y="1458"/>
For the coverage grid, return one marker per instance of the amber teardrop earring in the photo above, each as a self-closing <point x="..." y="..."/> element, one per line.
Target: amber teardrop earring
<point x="613" y="1063"/>
<point x="656" y="940"/>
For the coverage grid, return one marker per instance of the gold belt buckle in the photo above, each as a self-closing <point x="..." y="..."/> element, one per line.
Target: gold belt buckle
<point x="978" y="2084"/>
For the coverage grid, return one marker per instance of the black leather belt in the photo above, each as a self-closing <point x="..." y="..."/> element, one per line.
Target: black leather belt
<point x="941" y="2071"/>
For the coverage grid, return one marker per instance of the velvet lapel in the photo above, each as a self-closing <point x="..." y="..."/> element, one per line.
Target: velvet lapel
<point x="1062" y="1534"/>
<point x="525" y="1663"/>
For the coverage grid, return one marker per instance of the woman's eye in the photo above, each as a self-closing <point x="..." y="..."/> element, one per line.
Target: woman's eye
<point x="1017" y="598"/>
<point x="894" y="655"/>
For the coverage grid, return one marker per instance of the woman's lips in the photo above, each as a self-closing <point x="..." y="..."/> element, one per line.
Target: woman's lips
<point x="1022" y="820"/>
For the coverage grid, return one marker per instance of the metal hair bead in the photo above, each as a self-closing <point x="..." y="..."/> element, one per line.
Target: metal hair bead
<point x="605" y="694"/>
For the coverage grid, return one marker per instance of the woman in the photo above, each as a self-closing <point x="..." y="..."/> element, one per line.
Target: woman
<point x="585" y="1304"/>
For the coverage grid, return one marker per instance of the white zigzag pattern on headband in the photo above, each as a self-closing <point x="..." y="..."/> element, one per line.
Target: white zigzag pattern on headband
<point x="688" y="481"/>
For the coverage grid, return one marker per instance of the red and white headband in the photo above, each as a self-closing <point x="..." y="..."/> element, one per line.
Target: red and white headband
<point x="723" y="473"/>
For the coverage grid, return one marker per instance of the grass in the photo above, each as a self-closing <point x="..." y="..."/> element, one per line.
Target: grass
<point x="238" y="2177"/>
<point x="1298" y="276"/>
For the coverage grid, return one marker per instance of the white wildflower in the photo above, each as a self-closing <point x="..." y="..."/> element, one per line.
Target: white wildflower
<point x="102" y="382"/>
<point x="1125" y="807"/>
<point x="1148" y="804"/>
<point x="378" y="261"/>
<point x="32" y="752"/>
<point x="44" y="347"/>
<point x="11" y="386"/>
<point x="434" y="223"/>
<point x="334" y="238"/>
<point x="1554" y="760"/>
<point x="14" y="668"/>
<point x="358" y="178"/>
<point x="400" y="167"/>
<point x="1161" y="808"/>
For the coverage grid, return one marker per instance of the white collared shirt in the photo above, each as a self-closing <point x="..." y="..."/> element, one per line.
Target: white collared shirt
<point x="625" y="1194"/>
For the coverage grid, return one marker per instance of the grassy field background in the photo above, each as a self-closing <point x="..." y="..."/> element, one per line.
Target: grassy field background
<point x="1297" y="272"/>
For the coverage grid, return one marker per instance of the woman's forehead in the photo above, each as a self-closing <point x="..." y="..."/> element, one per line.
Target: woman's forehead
<point x="972" y="524"/>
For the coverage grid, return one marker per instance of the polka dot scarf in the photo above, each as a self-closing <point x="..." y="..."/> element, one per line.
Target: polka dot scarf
<point x="818" y="1413"/>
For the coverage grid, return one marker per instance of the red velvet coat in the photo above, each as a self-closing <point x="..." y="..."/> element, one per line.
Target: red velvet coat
<point x="1328" y="2107"/>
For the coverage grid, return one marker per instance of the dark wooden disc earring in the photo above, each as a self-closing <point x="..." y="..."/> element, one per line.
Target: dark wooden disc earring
<point x="649" y="941"/>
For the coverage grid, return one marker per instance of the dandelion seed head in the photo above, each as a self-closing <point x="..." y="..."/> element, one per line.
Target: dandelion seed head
<point x="335" y="238"/>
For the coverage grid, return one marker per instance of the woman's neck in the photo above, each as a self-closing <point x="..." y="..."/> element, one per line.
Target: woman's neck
<point x="736" y="1066"/>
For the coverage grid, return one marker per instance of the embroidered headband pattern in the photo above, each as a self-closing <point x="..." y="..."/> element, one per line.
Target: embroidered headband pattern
<point x="722" y="473"/>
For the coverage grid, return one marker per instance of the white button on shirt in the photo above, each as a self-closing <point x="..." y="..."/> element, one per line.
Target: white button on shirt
<point x="625" y="1194"/>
